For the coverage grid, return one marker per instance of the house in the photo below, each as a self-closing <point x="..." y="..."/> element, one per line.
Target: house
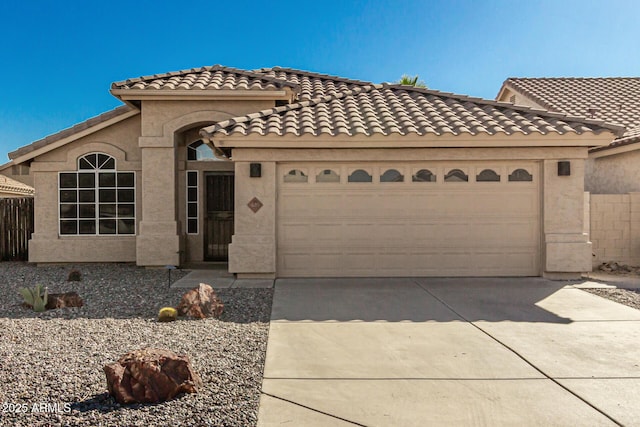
<point x="12" y="188"/>
<point x="285" y="173"/>
<point x="615" y="167"/>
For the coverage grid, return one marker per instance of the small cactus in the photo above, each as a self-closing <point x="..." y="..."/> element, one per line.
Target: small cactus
<point x="74" y="276"/>
<point x="167" y="314"/>
<point x="36" y="297"/>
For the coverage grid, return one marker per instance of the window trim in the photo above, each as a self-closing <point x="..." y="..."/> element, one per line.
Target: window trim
<point x="197" y="202"/>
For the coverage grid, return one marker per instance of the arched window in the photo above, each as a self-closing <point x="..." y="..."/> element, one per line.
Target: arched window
<point x="360" y="175"/>
<point x="488" y="175"/>
<point x="295" y="175"/>
<point x="520" y="175"/>
<point x="456" y="175"/>
<point x="198" y="150"/>
<point x="96" y="199"/>
<point x="424" y="175"/>
<point x="327" y="175"/>
<point x="391" y="175"/>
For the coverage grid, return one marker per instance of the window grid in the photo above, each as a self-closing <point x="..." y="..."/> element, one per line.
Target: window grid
<point x="96" y="199"/>
<point x="192" y="202"/>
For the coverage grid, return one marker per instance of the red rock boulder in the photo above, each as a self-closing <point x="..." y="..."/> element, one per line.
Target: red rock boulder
<point x="200" y="302"/>
<point x="151" y="375"/>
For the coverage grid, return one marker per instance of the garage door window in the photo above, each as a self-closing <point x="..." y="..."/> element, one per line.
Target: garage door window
<point x="327" y="175"/>
<point x="488" y="175"/>
<point x="360" y="175"/>
<point x="520" y="175"/>
<point x="392" y="175"/>
<point x="424" y="175"/>
<point x="456" y="175"/>
<point x="295" y="175"/>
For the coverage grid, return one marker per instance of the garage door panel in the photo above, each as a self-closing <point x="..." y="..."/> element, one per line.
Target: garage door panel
<point x="408" y="229"/>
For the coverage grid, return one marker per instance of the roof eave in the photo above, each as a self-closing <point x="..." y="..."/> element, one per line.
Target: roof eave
<point x="17" y="158"/>
<point x="410" y="141"/>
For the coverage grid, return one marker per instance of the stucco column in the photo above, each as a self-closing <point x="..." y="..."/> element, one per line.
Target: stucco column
<point x="252" y="252"/>
<point x="567" y="247"/>
<point x="158" y="243"/>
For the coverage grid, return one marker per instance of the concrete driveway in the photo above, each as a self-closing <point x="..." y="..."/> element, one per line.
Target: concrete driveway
<point x="419" y="352"/>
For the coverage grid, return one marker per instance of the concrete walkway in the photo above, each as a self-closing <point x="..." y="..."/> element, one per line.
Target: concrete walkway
<point x="420" y="352"/>
<point x="219" y="278"/>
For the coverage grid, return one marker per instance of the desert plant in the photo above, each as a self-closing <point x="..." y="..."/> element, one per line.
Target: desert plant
<point x="167" y="314"/>
<point x="36" y="297"/>
<point x="74" y="276"/>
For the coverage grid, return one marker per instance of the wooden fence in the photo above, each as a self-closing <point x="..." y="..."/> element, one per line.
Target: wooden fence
<point x="16" y="226"/>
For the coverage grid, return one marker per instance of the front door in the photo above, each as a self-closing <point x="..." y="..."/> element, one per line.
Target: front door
<point x="219" y="218"/>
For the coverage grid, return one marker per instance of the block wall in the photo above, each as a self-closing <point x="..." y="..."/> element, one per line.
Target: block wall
<point x="615" y="228"/>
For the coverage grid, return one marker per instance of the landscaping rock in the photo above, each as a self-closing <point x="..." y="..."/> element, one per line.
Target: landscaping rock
<point x="200" y="302"/>
<point x="67" y="299"/>
<point x="151" y="375"/>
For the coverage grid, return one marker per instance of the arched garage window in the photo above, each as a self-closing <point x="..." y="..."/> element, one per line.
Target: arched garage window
<point x="488" y="175"/>
<point x="360" y="175"/>
<point x="391" y="175"/>
<point x="97" y="199"/>
<point x="456" y="175"/>
<point x="520" y="175"/>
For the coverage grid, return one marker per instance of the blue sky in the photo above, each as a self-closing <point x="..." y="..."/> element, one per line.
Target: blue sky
<point x="60" y="57"/>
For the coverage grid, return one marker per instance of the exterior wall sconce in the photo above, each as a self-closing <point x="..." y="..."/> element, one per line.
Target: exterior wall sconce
<point x="564" y="168"/>
<point x="255" y="170"/>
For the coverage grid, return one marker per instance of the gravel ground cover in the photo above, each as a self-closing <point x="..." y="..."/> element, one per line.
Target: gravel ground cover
<point x="629" y="297"/>
<point x="51" y="363"/>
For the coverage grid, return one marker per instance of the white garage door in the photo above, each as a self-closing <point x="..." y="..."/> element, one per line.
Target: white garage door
<point x="408" y="219"/>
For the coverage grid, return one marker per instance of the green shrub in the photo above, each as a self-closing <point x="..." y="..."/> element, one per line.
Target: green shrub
<point x="36" y="297"/>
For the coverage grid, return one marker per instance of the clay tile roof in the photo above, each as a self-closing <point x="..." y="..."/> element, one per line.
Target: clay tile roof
<point x="612" y="99"/>
<point x="402" y="110"/>
<point x="313" y="85"/>
<point x="123" y="109"/>
<point x="12" y="186"/>
<point x="216" y="77"/>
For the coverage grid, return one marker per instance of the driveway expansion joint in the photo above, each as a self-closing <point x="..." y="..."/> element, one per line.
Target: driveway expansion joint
<point x="313" y="409"/>
<point x="554" y="380"/>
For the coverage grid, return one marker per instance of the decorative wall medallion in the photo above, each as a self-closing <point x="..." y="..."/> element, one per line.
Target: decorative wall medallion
<point x="255" y="204"/>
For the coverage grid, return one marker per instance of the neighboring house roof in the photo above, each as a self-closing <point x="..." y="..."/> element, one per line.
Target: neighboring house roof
<point x="402" y="110"/>
<point x="8" y="185"/>
<point x="216" y="77"/>
<point x="88" y="126"/>
<point x="613" y="99"/>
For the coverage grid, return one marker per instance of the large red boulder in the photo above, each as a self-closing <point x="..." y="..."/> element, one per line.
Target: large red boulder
<point x="151" y="375"/>
<point x="200" y="302"/>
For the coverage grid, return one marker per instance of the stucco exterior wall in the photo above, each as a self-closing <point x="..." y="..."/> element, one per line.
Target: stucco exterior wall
<point x="615" y="228"/>
<point x="616" y="174"/>
<point x="166" y="127"/>
<point x="119" y="141"/>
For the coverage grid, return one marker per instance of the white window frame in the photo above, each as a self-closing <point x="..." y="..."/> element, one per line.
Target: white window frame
<point x="197" y="201"/>
<point x="96" y="201"/>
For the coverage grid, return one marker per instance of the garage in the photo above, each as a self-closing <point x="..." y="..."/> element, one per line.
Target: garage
<point x="457" y="218"/>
